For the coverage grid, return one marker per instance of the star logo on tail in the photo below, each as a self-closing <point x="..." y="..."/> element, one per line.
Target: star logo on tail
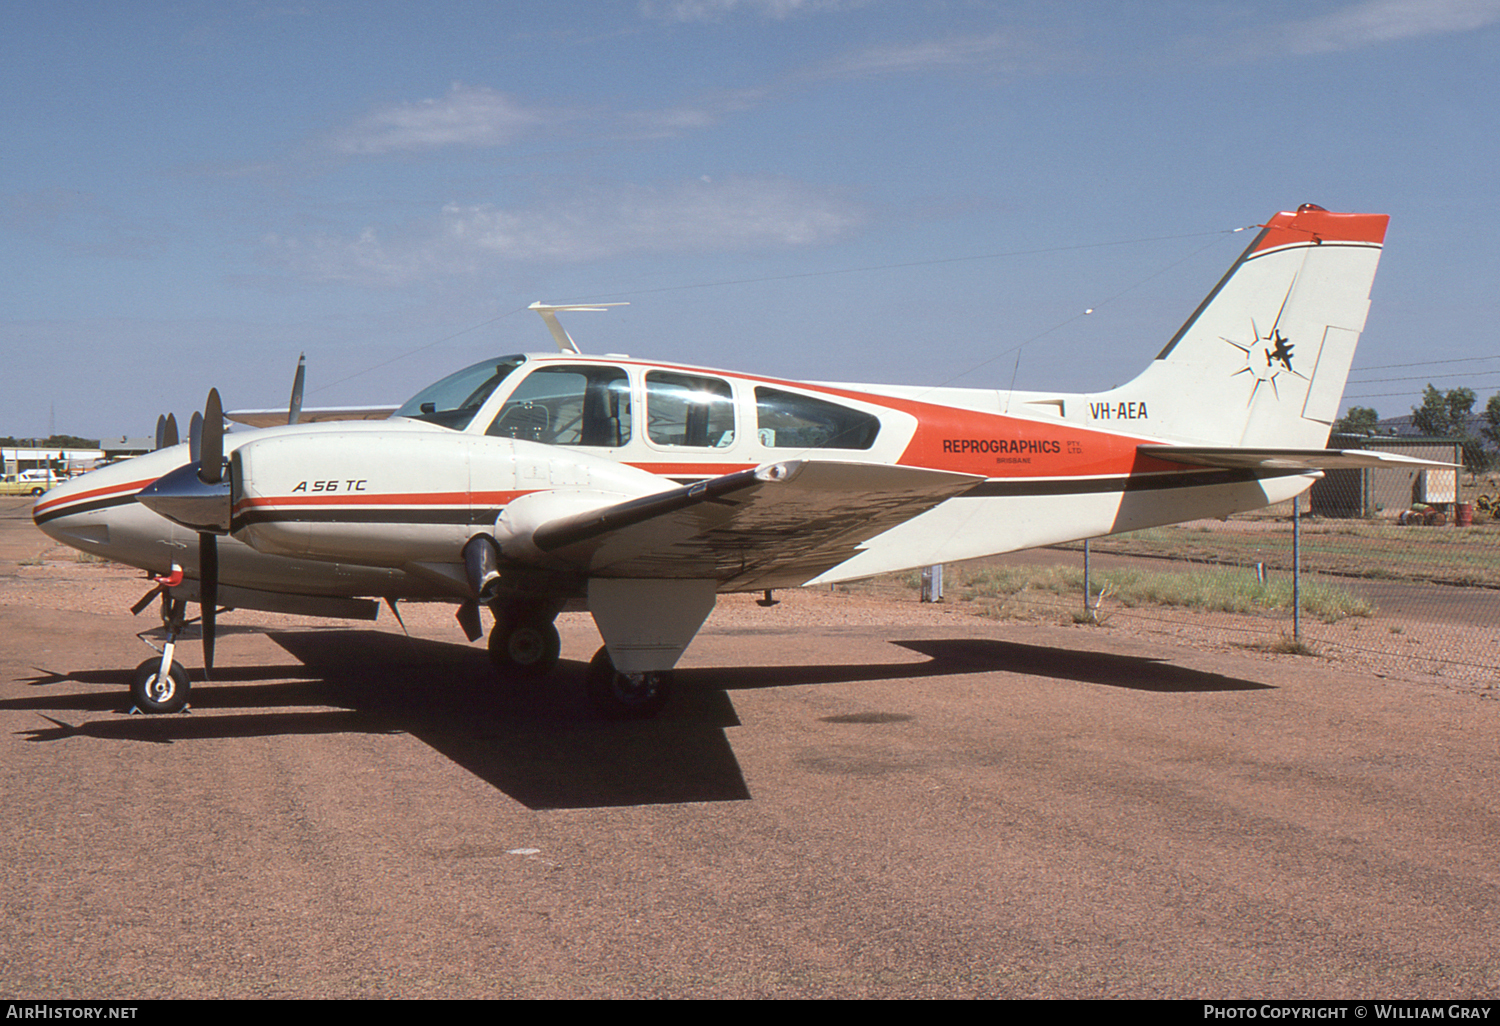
<point x="1269" y="356"/>
<point x="1266" y="359"/>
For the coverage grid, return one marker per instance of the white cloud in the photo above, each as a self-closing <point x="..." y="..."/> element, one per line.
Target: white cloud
<point x="996" y="51"/>
<point x="672" y="121"/>
<point x="466" y="116"/>
<point x="702" y="216"/>
<point x="1372" y="22"/>
<point x="715" y="10"/>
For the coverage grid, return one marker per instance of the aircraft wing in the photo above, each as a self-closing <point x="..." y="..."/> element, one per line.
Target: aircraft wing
<point x="1286" y="459"/>
<point x="773" y="526"/>
<point x="309" y="415"/>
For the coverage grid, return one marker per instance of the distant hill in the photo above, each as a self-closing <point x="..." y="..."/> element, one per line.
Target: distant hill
<point x="1402" y="427"/>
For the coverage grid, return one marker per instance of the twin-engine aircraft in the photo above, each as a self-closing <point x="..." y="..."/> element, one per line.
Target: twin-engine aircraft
<point x="640" y="491"/>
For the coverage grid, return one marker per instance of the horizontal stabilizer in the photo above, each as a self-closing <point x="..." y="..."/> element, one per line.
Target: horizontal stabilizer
<point x="1286" y="459"/>
<point x="308" y="415"/>
<point x="773" y="526"/>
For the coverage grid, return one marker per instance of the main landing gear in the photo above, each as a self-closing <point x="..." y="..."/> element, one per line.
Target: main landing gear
<point x="524" y="646"/>
<point x="524" y="643"/>
<point x="626" y="696"/>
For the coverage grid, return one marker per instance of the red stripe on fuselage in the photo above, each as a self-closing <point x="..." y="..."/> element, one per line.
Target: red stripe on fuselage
<point x="129" y="488"/>
<point x="997" y="445"/>
<point x="480" y="499"/>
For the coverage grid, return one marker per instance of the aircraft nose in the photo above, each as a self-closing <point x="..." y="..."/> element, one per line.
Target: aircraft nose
<point x="78" y="512"/>
<point x="57" y="511"/>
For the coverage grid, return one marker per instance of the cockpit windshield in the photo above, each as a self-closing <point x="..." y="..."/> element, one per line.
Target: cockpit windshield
<point x="453" y="401"/>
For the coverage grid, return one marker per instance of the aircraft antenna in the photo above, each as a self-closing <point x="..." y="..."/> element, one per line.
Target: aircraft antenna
<point x="565" y="343"/>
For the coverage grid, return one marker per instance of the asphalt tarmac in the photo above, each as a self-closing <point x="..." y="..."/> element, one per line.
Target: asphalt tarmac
<point x="845" y="799"/>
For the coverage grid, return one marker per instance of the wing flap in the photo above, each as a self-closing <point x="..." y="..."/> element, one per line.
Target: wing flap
<point x="310" y="415"/>
<point x="1285" y="459"/>
<point x="774" y="526"/>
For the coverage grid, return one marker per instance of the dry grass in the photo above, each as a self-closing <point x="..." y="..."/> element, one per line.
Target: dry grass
<point x="1001" y="590"/>
<point x="1282" y="644"/>
<point x="1464" y="556"/>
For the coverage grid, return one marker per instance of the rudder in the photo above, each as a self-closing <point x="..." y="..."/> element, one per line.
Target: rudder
<point x="1263" y="360"/>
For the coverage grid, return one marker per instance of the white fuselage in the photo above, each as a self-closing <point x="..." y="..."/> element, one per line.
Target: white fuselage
<point x="384" y="508"/>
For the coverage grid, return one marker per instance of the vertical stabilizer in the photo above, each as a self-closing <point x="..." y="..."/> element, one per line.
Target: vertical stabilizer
<point x="1263" y="360"/>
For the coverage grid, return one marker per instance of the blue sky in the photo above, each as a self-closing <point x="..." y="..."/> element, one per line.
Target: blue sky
<point x="871" y="190"/>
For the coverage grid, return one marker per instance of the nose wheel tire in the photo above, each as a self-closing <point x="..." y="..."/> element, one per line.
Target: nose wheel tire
<point x="153" y="693"/>
<point x="626" y="696"/>
<point x="527" y="650"/>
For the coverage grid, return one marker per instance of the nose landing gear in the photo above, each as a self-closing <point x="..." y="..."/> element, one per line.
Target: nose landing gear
<point x="156" y="692"/>
<point x="162" y="685"/>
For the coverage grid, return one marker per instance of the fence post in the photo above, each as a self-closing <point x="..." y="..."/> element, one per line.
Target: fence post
<point x="1297" y="568"/>
<point x="1087" y="591"/>
<point x="932" y="583"/>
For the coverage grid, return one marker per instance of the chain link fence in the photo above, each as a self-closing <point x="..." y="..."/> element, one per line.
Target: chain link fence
<point x="1409" y="597"/>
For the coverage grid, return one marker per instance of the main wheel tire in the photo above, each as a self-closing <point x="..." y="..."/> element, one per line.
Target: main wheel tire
<point x="528" y="650"/>
<point x="155" y="695"/>
<point x="626" y="696"/>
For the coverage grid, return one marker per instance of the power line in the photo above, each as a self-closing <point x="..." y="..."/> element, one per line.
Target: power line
<point x="1426" y="363"/>
<point x="596" y="297"/>
<point x="414" y="352"/>
<point x="1418" y="377"/>
<point x="915" y="263"/>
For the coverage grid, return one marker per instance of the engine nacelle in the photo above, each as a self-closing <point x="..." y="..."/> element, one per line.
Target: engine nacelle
<point x="519" y="520"/>
<point x="394" y="496"/>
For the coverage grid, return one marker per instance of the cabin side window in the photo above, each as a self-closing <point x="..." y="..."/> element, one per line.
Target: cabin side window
<point x="688" y="409"/>
<point x="786" y="420"/>
<point x="563" y="405"/>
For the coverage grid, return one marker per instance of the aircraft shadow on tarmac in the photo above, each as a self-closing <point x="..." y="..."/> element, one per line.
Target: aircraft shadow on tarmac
<point x="538" y="742"/>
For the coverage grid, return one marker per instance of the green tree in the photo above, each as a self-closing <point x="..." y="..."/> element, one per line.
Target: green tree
<point x="1445" y="415"/>
<point x="70" y="442"/>
<point x="1358" y="420"/>
<point x="1491" y="429"/>
<point x="54" y="442"/>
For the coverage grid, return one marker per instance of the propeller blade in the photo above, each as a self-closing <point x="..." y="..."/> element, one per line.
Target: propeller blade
<point x="208" y="593"/>
<point x="211" y="445"/>
<point x="161" y="431"/>
<point x="144" y="601"/>
<point x="294" y="411"/>
<point x="195" y="436"/>
<point x="170" y="439"/>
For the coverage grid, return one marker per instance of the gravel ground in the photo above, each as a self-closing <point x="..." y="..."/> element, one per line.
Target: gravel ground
<point x="850" y="796"/>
